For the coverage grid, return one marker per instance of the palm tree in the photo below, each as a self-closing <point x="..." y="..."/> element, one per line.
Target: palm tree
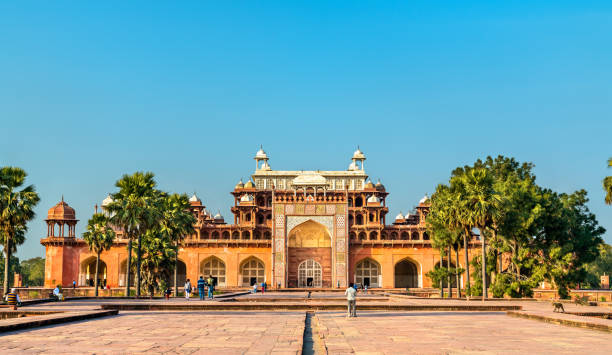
<point x="441" y="221"/>
<point x="16" y="209"/>
<point x="455" y="222"/>
<point x="176" y="222"/>
<point x="607" y="184"/>
<point x="134" y="210"/>
<point x="462" y="218"/>
<point x="99" y="236"/>
<point x="464" y="223"/>
<point x="482" y="203"/>
<point x="159" y="256"/>
<point x="457" y="279"/>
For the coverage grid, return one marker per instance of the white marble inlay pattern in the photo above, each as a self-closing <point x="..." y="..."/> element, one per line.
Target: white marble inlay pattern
<point x="327" y="221"/>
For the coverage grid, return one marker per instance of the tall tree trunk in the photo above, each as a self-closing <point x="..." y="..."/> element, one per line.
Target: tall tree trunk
<point x="441" y="278"/>
<point x="448" y="275"/>
<point x="176" y="271"/>
<point x="467" y="264"/>
<point x="7" y="263"/>
<point x="518" y="267"/>
<point x="456" y="273"/>
<point x="494" y="272"/>
<point x="128" y="268"/>
<point x="97" y="271"/>
<point x="484" y="266"/>
<point x="138" y="252"/>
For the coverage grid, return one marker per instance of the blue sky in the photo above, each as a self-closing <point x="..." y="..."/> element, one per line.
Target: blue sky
<point x="189" y="90"/>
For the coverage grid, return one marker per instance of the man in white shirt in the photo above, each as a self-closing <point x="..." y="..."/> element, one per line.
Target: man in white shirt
<point x="187" y="289"/>
<point x="350" y="297"/>
<point x="57" y="294"/>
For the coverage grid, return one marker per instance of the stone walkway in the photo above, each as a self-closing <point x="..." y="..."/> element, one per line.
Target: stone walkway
<point x="172" y="333"/>
<point x="263" y="332"/>
<point x="453" y="333"/>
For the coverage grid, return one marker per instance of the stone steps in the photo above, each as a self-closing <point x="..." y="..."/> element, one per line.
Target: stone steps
<point x="301" y="306"/>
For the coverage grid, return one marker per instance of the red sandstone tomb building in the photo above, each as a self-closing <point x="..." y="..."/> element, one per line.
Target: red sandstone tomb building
<point x="290" y="228"/>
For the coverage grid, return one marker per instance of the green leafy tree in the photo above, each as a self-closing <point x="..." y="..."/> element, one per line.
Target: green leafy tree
<point x="33" y="271"/>
<point x="541" y="234"/>
<point x="14" y="267"/>
<point x="176" y="223"/>
<point x="445" y="232"/>
<point x="464" y="223"/>
<point x="158" y="260"/>
<point x="99" y="236"/>
<point x="512" y="226"/>
<point x="135" y="210"/>
<point x="569" y="239"/>
<point x="602" y="265"/>
<point x="482" y="203"/>
<point x="16" y="209"/>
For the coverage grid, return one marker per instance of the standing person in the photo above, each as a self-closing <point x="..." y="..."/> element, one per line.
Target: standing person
<point x="255" y="287"/>
<point x="187" y="289"/>
<point x="263" y="287"/>
<point x="211" y="286"/>
<point x="350" y="298"/>
<point x="365" y="289"/>
<point x="201" y="284"/>
<point x="73" y="284"/>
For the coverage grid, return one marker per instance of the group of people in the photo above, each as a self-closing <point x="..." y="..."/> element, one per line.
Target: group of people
<point x="263" y="287"/>
<point x="203" y="286"/>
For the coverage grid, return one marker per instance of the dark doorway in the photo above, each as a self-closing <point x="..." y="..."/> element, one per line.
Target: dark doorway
<point x="366" y="281"/>
<point x="253" y="281"/>
<point x="406" y="275"/>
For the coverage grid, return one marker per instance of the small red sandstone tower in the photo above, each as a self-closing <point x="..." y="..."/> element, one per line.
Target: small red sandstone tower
<point x="62" y="255"/>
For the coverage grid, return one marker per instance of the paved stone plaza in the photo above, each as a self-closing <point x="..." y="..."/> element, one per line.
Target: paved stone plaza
<point x="268" y="332"/>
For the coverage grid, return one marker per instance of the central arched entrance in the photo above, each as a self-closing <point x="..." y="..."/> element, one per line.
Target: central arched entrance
<point x="309" y="274"/>
<point x="406" y="274"/>
<point x="309" y="243"/>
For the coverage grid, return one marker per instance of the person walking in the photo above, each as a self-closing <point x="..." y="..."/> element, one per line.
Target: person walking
<point x="263" y="287"/>
<point x="211" y="286"/>
<point x="201" y="285"/>
<point x="365" y="289"/>
<point x="351" y="303"/>
<point x="255" y="288"/>
<point x="73" y="284"/>
<point x="187" y="289"/>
